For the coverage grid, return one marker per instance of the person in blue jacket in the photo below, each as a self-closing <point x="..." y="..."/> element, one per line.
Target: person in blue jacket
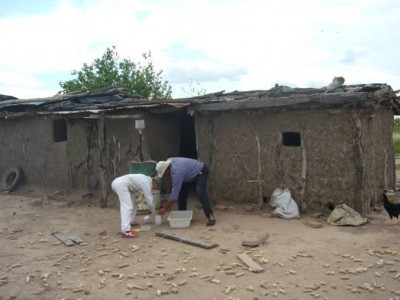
<point x="182" y="172"/>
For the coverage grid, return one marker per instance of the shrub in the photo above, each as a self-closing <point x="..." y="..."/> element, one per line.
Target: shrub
<point x="396" y="136"/>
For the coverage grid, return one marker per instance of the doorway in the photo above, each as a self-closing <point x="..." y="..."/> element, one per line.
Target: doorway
<point x="188" y="147"/>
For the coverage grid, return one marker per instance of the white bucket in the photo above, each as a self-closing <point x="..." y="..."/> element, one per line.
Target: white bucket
<point x="157" y="220"/>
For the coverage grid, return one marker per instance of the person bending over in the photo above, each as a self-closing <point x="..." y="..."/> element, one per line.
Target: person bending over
<point x="128" y="188"/>
<point x="182" y="171"/>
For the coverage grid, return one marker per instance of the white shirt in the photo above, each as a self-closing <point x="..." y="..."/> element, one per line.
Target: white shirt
<point x="136" y="183"/>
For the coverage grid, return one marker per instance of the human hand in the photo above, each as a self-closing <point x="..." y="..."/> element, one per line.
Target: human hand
<point x="166" y="207"/>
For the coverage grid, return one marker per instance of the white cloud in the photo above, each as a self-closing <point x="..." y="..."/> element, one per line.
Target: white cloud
<point x="226" y="44"/>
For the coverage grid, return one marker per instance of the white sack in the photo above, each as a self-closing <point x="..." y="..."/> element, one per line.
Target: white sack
<point x="286" y="207"/>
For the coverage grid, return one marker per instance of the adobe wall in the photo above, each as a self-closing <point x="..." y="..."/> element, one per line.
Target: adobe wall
<point x="346" y="157"/>
<point x="83" y="154"/>
<point x="227" y="142"/>
<point x="159" y="139"/>
<point x="29" y="144"/>
<point x="75" y="163"/>
<point x="378" y="151"/>
<point x="163" y="135"/>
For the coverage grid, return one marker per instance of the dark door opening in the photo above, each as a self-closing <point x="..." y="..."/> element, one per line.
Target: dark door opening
<point x="188" y="141"/>
<point x="188" y="136"/>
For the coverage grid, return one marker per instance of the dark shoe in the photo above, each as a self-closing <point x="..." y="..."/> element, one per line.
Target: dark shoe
<point x="211" y="223"/>
<point x="211" y="219"/>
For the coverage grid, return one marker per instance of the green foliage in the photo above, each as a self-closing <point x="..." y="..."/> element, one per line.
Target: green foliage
<point x="396" y="126"/>
<point x="396" y="143"/>
<point x="194" y="89"/>
<point x="111" y="71"/>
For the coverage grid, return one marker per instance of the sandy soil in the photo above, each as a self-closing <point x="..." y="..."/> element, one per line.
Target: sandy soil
<point x="299" y="262"/>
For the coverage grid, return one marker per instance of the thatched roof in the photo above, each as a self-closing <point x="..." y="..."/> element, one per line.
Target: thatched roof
<point x="116" y="101"/>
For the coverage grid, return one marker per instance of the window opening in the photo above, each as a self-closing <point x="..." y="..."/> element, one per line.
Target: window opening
<point x="292" y="139"/>
<point x="60" y="130"/>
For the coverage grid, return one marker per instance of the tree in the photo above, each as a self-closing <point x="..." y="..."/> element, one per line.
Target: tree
<point x="194" y="89"/>
<point x="110" y="70"/>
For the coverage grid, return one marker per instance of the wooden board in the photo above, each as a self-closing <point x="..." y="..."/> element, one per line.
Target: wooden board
<point x="249" y="262"/>
<point x="187" y="240"/>
<point x="68" y="238"/>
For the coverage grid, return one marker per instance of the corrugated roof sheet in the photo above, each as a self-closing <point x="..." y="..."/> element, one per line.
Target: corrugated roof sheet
<point x="115" y="99"/>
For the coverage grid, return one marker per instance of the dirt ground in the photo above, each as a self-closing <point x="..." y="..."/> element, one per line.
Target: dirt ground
<point x="299" y="262"/>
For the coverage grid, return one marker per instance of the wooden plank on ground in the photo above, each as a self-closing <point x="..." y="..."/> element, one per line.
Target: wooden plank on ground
<point x="248" y="261"/>
<point x="68" y="238"/>
<point x="187" y="240"/>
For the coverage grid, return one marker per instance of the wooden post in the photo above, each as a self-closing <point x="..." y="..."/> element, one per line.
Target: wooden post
<point x="211" y="146"/>
<point x="260" y="193"/>
<point x="358" y="204"/>
<point x="303" y="175"/>
<point x="259" y="181"/>
<point x="278" y="161"/>
<point x="102" y="161"/>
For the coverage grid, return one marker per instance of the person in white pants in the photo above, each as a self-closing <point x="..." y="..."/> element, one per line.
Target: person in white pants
<point x="128" y="187"/>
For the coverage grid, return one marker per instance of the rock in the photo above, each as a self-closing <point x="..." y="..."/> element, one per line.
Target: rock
<point x="313" y="223"/>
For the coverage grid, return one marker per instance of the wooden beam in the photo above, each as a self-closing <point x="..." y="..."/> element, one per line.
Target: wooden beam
<point x="251" y="264"/>
<point x="135" y="116"/>
<point x="320" y="100"/>
<point x="187" y="240"/>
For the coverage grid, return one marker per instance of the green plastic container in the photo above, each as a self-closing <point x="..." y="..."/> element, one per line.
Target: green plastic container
<point x="147" y="168"/>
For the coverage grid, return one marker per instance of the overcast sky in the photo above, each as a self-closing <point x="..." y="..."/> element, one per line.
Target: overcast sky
<point x="215" y="45"/>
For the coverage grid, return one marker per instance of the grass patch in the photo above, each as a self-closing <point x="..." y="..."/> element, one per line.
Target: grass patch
<point x="396" y="148"/>
<point x="396" y="137"/>
<point x="396" y="126"/>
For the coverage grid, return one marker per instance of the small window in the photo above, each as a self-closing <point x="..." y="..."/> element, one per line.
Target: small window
<point x="60" y="130"/>
<point x="291" y="139"/>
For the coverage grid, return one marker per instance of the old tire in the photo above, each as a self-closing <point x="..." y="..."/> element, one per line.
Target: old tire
<point x="12" y="178"/>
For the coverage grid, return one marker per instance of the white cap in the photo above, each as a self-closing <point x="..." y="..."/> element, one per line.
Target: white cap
<point x="161" y="167"/>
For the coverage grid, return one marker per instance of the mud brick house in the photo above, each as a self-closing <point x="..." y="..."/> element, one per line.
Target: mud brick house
<point x="327" y="147"/>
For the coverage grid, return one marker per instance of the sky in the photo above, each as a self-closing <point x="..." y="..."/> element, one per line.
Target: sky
<point x="204" y="45"/>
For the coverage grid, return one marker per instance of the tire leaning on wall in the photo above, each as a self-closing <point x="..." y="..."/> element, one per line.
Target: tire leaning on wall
<point x="11" y="179"/>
